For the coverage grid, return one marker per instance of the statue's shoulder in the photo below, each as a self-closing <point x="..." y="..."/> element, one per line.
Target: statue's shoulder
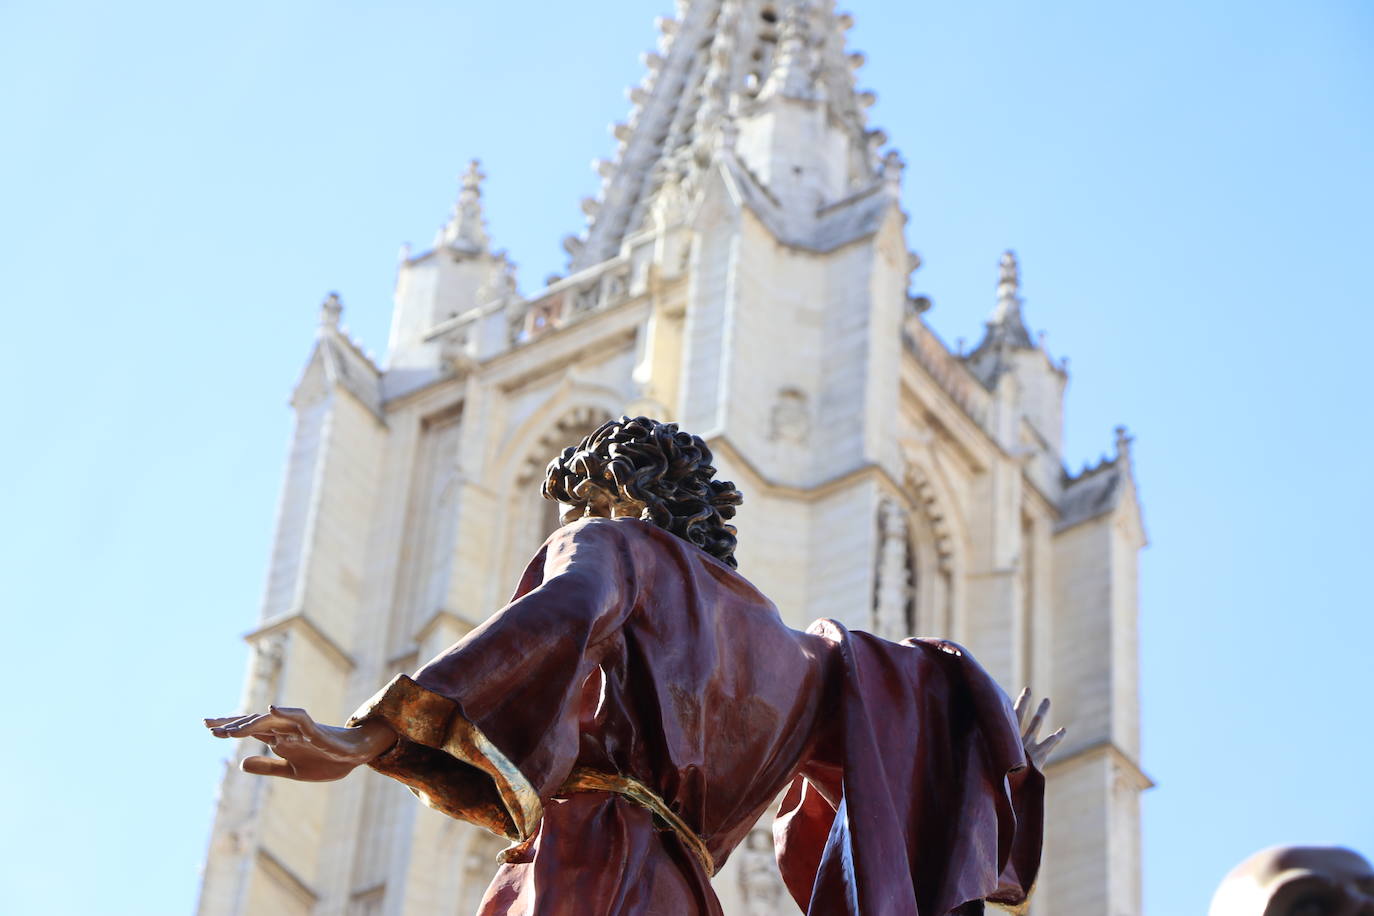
<point x="605" y="533"/>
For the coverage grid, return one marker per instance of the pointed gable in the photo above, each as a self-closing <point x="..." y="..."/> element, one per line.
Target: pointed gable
<point x="337" y="362"/>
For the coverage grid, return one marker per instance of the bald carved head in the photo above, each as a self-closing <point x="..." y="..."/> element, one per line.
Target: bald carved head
<point x="1298" y="881"/>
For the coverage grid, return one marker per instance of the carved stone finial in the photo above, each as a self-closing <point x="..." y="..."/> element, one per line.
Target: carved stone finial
<point x="472" y="178"/>
<point x="892" y="170"/>
<point x="1007" y="328"/>
<point x="331" y="310"/>
<point x="794" y="68"/>
<point x="1008" y="276"/>
<point x="1123" y="443"/>
<point x="465" y="230"/>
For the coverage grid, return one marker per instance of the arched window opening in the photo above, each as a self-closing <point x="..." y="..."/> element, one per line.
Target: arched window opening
<point x="532" y="518"/>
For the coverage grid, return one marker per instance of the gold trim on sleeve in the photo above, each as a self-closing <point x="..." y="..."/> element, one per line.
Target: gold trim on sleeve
<point x="425" y="717"/>
<point x="466" y="742"/>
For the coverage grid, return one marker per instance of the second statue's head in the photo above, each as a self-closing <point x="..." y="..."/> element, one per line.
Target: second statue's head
<point x="648" y="470"/>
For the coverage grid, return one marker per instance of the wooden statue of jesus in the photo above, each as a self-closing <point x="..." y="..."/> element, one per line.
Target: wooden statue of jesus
<point x="639" y="704"/>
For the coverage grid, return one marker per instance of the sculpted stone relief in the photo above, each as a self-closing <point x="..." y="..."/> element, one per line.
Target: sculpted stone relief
<point x="790" y="419"/>
<point x="268" y="652"/>
<point x="894" y="594"/>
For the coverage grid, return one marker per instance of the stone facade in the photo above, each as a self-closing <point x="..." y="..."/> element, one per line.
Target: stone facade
<point x="743" y="271"/>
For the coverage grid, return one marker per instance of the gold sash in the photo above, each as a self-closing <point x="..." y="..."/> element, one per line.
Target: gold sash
<point x="585" y="780"/>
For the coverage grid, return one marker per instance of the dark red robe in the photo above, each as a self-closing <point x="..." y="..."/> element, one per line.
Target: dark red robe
<point x="628" y="651"/>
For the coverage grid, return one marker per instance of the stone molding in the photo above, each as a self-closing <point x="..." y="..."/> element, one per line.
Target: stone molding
<point x="299" y="622"/>
<point x="1098" y="750"/>
<point x="287" y="879"/>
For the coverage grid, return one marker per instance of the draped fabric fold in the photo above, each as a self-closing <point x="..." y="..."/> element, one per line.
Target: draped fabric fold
<point x="490" y="726"/>
<point x="930" y="806"/>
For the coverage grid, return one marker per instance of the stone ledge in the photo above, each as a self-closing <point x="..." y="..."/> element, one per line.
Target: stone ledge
<point x="297" y="621"/>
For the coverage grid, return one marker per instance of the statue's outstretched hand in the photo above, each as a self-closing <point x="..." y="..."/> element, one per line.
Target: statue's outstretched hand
<point x="1037" y="752"/>
<point x="305" y="749"/>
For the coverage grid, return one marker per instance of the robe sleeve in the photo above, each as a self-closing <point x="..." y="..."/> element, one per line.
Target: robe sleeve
<point x="489" y="729"/>
<point x="931" y="807"/>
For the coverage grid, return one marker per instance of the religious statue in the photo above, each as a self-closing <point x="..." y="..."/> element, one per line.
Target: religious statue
<point x="638" y="705"/>
<point x="1298" y="881"/>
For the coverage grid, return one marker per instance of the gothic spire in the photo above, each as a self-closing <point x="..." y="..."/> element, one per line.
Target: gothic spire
<point x="1006" y="325"/>
<point x="465" y="230"/>
<point x="1006" y="329"/>
<point x="711" y="65"/>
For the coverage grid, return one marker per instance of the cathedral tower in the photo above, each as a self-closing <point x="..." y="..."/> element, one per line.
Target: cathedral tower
<point x="744" y="271"/>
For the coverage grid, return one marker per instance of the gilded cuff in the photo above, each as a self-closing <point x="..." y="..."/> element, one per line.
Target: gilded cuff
<point x="428" y="722"/>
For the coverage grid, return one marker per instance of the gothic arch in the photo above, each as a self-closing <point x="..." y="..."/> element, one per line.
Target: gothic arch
<point x="571" y="412"/>
<point x="939" y="544"/>
<point x="557" y="436"/>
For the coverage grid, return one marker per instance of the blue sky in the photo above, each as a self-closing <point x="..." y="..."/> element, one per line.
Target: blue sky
<point x="1188" y="186"/>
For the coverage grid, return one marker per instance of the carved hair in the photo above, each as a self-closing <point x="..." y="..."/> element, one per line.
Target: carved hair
<point x="652" y="466"/>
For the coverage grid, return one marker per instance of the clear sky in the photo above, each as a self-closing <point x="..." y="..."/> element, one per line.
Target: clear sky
<point x="1188" y="185"/>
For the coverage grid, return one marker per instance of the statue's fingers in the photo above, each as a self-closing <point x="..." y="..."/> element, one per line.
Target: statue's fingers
<point x="222" y="731"/>
<point x="267" y="722"/>
<point x="239" y="728"/>
<point x="1022" y="705"/>
<point x="268" y="766"/>
<point x="1033" y="727"/>
<point x="222" y="721"/>
<point x="258" y="726"/>
<point x="1047" y="746"/>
